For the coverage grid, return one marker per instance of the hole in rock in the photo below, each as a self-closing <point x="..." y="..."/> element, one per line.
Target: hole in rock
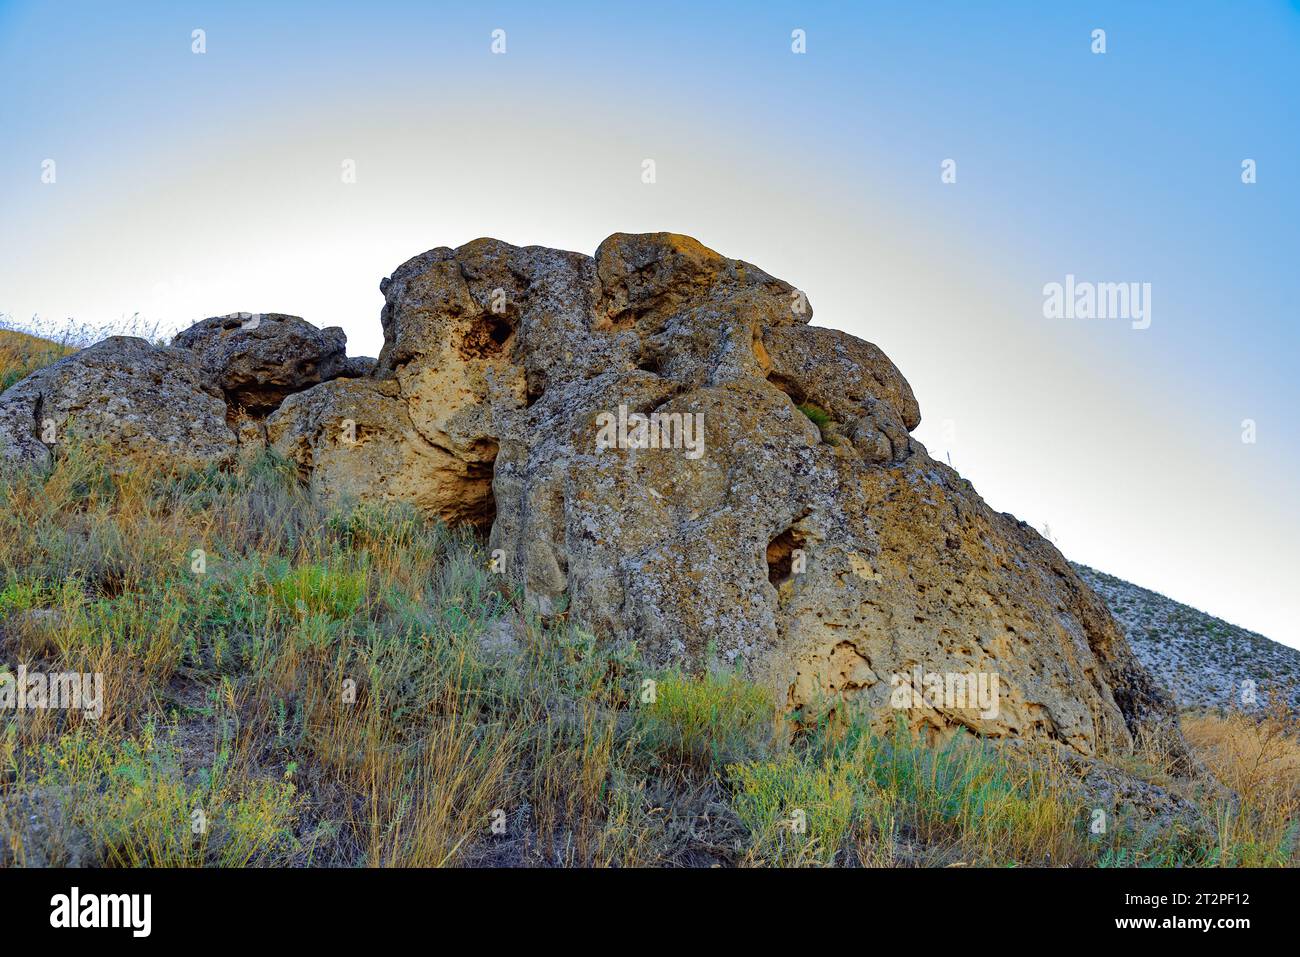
<point x="781" y="557"/>
<point x="487" y="513"/>
<point x="487" y="337"/>
<point x="478" y="506"/>
<point x="789" y="387"/>
<point x="535" y="382"/>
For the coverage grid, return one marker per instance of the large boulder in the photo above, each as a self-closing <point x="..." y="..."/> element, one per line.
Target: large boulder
<point x="143" y="404"/>
<point x="679" y="459"/>
<point x="257" y="359"/>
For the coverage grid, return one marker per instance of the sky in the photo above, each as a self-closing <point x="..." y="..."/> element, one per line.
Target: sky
<point x="189" y="184"/>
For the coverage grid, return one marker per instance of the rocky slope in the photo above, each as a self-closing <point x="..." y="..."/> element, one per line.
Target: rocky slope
<point x="1202" y="661"/>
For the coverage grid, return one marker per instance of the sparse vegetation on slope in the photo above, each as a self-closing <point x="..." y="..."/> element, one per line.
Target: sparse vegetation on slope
<point x="286" y="685"/>
<point x="1203" y="661"/>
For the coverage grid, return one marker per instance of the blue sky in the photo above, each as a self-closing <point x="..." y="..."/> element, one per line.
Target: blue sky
<point x="191" y="185"/>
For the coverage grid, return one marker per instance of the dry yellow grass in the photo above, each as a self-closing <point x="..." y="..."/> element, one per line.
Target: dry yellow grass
<point x="22" y="354"/>
<point x="1258" y="758"/>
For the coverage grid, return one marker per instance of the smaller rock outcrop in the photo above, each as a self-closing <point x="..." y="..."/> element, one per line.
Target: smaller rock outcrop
<point x="358" y="367"/>
<point x="258" y="359"/>
<point x="354" y="438"/>
<point x="148" y="404"/>
<point x="202" y="401"/>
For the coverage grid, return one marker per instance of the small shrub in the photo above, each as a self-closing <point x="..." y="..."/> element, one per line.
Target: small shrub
<point x="819" y="416"/>
<point x="706" y="722"/>
<point x="131" y="806"/>
<point x="960" y="802"/>
<point x="318" y="589"/>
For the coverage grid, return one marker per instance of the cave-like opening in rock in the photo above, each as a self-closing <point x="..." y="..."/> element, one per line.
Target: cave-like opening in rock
<point x="487" y="337"/>
<point x="787" y="385"/>
<point x="781" y="555"/>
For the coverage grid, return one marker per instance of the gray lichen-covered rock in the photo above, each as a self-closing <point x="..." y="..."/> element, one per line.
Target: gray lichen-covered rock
<point x="357" y="367"/>
<point x="678" y="458"/>
<point x="257" y="359"/>
<point x="20" y="431"/>
<point x="141" y="403"/>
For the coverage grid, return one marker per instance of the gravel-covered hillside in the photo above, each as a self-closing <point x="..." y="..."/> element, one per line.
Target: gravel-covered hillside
<point x="1201" y="659"/>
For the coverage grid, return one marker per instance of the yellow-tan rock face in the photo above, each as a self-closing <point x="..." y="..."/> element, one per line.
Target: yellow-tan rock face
<point x="793" y="528"/>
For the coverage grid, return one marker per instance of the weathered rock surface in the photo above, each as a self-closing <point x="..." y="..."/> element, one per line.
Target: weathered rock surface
<point x="357" y="367"/>
<point x="819" y="548"/>
<point x="258" y="359"/>
<point x="354" y="439"/>
<point x="202" y="401"/>
<point x="145" y="404"/>
<point x="425" y="429"/>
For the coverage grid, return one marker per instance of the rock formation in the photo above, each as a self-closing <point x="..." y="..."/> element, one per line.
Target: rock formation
<point x="812" y="542"/>
<point x="199" y="402"/>
<point x="258" y="359"/>
<point x="143" y="403"/>
<point x="661" y="444"/>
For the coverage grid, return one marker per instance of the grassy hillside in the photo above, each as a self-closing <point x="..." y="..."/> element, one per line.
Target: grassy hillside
<point x="26" y="347"/>
<point x="1203" y="661"/>
<point x="22" y="354"/>
<point x="289" y="686"/>
<point x="285" y="685"/>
